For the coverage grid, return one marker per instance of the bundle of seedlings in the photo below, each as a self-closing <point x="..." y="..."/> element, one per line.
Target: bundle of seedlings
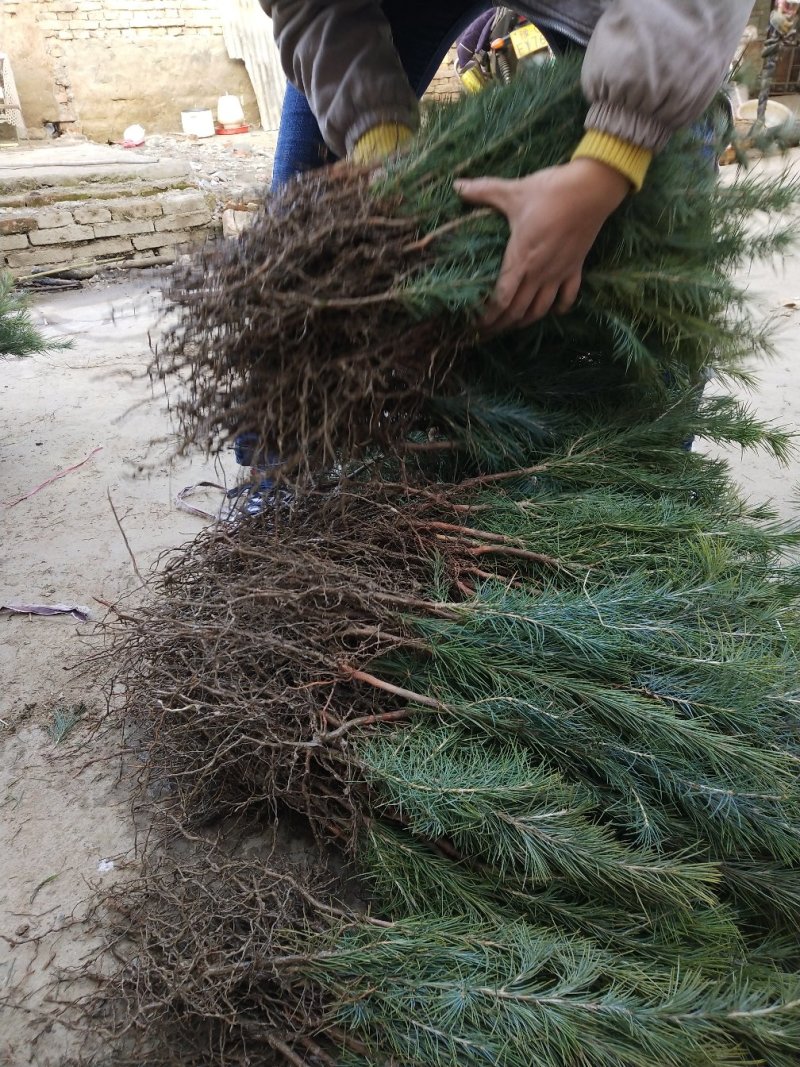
<point x="530" y="670"/>
<point x="550" y="721"/>
<point x="344" y="318"/>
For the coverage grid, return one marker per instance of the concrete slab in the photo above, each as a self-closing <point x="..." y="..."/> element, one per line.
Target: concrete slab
<point x="34" y="166"/>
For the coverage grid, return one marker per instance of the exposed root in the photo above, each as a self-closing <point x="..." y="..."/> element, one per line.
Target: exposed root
<point x="210" y="943"/>
<point x="270" y="339"/>
<point x="251" y="668"/>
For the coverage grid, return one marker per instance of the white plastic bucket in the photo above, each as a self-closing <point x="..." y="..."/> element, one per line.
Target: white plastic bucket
<point x="198" y="122"/>
<point x="777" y="114"/>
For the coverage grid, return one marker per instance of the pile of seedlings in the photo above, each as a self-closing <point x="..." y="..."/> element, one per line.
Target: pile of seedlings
<point x="523" y="665"/>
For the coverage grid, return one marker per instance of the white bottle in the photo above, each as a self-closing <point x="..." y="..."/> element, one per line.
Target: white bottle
<point x="229" y="111"/>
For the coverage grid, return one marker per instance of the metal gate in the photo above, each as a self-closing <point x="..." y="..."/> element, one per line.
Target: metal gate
<point x="787" y="73"/>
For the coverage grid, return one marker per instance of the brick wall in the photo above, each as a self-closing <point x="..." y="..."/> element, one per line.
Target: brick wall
<point x="761" y="10"/>
<point x="68" y="235"/>
<point x="114" y="62"/>
<point x="132" y="19"/>
<point x="446" y="84"/>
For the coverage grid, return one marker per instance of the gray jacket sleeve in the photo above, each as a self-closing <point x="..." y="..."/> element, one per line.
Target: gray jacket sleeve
<point x="340" y="54"/>
<point x="652" y="66"/>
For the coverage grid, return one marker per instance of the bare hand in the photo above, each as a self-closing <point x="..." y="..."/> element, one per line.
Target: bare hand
<point x="555" y="216"/>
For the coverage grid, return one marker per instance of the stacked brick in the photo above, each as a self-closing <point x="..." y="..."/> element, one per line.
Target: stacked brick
<point x="85" y="234"/>
<point x="81" y="19"/>
<point x="446" y="85"/>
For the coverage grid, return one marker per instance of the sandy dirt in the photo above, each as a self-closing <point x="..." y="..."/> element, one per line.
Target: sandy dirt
<point x="63" y="828"/>
<point x="775" y="293"/>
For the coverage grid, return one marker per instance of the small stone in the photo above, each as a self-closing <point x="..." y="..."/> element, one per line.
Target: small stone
<point x="115" y="246"/>
<point x="183" y="203"/>
<point x="14" y="240"/>
<point x="91" y="213"/>
<point x="152" y="240"/>
<point x="52" y="218"/>
<point x="123" y="229"/>
<point x="17" y="225"/>
<point x="22" y="929"/>
<point x="184" y="222"/>
<point x="62" y="235"/>
<point x="46" y="256"/>
<point x="148" y="208"/>
<point x="234" y="222"/>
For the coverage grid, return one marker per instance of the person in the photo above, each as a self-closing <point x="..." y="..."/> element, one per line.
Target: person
<point x="357" y="68"/>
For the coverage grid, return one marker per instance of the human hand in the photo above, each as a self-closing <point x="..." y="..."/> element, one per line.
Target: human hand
<point x="555" y="216"/>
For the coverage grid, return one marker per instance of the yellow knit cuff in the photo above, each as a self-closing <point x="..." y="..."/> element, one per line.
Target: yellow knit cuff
<point x="629" y="159"/>
<point x="379" y="142"/>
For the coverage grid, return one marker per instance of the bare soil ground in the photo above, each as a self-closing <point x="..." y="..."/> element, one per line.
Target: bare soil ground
<point x="64" y="823"/>
<point x="64" y="820"/>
